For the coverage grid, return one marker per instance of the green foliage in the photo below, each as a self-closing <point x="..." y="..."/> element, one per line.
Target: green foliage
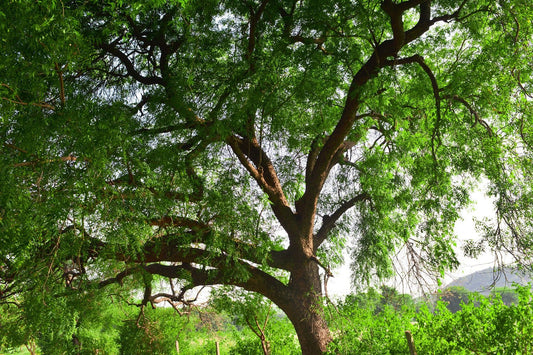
<point x="372" y="323"/>
<point x="257" y="320"/>
<point x="364" y="323"/>
<point x="509" y="295"/>
<point x="280" y="335"/>
<point x="149" y="333"/>
<point x="15" y="332"/>
<point x="482" y="326"/>
<point x="230" y="142"/>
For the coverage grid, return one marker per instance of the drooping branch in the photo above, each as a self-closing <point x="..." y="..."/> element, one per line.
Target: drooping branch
<point x="436" y="92"/>
<point x="257" y="280"/>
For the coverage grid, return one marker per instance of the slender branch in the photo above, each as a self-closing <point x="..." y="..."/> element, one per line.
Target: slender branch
<point x="252" y="328"/>
<point x="119" y="277"/>
<point x="254" y="20"/>
<point x="61" y="84"/>
<point x="176" y="221"/>
<point x="267" y="316"/>
<point x="326" y="269"/>
<point x="435" y="87"/>
<point x="473" y="112"/>
<point x="36" y="104"/>
<point x="46" y="161"/>
<point x="306" y="206"/>
<point x="329" y="222"/>
<point x="14" y="147"/>
<point x="20" y="102"/>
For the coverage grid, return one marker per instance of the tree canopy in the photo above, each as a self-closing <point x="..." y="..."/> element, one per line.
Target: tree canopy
<point x="246" y="142"/>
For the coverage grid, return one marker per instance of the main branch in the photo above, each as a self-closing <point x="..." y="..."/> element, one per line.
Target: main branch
<point x="260" y="167"/>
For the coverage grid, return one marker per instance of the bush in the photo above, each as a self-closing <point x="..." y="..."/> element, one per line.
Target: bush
<point x="482" y="326"/>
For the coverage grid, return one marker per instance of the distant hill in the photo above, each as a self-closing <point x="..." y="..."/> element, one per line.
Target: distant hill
<point x="481" y="281"/>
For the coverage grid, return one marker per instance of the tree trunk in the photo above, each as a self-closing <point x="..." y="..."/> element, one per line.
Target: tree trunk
<point x="312" y="330"/>
<point x="305" y="310"/>
<point x="265" y="345"/>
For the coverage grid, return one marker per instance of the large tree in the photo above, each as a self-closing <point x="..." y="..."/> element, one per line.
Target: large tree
<point x="245" y="142"/>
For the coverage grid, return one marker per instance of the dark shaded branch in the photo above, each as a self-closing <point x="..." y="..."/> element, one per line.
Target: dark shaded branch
<point x="118" y="279"/>
<point x="423" y="24"/>
<point x="130" y="68"/>
<point x="395" y="13"/>
<point x="258" y="280"/>
<point x="177" y="248"/>
<point x="328" y="222"/>
<point x="255" y="16"/>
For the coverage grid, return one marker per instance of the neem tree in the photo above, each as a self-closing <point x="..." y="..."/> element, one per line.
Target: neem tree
<point x="245" y="142"/>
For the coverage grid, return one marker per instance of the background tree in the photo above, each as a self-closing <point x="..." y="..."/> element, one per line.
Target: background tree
<point x="243" y="143"/>
<point x="455" y="297"/>
<point x="377" y="301"/>
<point x="248" y="310"/>
<point x="509" y="295"/>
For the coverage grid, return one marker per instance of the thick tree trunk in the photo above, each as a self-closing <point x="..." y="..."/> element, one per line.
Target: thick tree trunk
<point x="312" y="330"/>
<point x="305" y="311"/>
